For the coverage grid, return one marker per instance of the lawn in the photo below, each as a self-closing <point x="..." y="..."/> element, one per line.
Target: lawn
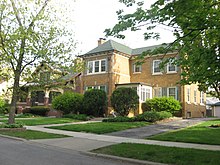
<point x="31" y="135"/>
<point x="169" y="155"/>
<point x="201" y="133"/>
<point x="42" y="121"/>
<point x="101" y="127"/>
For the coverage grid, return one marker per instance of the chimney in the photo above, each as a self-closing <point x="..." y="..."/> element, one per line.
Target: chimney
<point x="101" y="41"/>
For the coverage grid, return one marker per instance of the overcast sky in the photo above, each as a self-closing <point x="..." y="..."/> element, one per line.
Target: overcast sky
<point x="92" y="17"/>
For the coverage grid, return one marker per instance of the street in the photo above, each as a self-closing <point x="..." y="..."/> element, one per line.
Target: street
<point x="28" y="153"/>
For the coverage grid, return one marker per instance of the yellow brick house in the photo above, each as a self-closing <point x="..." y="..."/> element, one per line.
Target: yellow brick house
<point x="111" y="65"/>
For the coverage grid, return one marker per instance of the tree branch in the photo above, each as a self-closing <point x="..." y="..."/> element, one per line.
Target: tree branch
<point x="16" y="13"/>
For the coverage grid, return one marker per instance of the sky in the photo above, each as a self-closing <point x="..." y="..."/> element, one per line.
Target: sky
<point x="91" y="17"/>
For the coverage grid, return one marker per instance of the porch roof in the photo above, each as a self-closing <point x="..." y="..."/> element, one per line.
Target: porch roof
<point x="134" y="83"/>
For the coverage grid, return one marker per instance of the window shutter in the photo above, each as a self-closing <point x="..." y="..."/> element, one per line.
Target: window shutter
<point x="164" y="91"/>
<point x="177" y="93"/>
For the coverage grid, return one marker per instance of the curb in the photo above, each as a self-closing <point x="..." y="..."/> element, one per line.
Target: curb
<point x="13" y="138"/>
<point x="123" y="159"/>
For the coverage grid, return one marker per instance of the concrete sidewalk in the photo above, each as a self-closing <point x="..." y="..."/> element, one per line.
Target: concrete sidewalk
<point x="87" y="141"/>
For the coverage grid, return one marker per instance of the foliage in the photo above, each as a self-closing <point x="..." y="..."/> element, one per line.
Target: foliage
<point x="162" y="154"/>
<point x="39" y="110"/>
<point x="16" y="125"/>
<point x="83" y="117"/>
<point x="196" y="28"/>
<point x="27" y="115"/>
<point x="31" y="32"/>
<point x="168" y="104"/>
<point x="95" y="102"/>
<point x="3" y="106"/>
<point x="150" y="116"/>
<point x="124" y="100"/>
<point x="68" y="102"/>
<point x="164" y="115"/>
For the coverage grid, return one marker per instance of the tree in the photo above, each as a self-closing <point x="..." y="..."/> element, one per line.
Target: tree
<point x="95" y="102"/>
<point x="195" y="24"/>
<point x="124" y="100"/>
<point x="29" y="34"/>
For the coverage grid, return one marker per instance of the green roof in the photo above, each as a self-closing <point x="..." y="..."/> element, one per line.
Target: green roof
<point x="111" y="45"/>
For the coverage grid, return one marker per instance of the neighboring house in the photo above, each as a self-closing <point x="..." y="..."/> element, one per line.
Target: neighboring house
<point x="48" y="82"/>
<point x="111" y="65"/>
<point x="216" y="109"/>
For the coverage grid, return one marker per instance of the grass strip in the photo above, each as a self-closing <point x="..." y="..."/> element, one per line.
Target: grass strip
<point x="32" y="135"/>
<point x="162" y="154"/>
<point x="202" y="134"/>
<point x="43" y="121"/>
<point x="101" y="127"/>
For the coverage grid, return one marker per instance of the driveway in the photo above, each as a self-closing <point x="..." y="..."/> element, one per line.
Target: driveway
<point x="140" y="133"/>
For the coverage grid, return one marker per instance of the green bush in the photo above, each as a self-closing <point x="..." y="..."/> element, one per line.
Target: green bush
<point x="68" y="102"/>
<point x="124" y="100"/>
<point x="83" y="117"/>
<point x="119" y="119"/>
<point x="3" y="106"/>
<point x="95" y="102"/>
<point x="168" y="104"/>
<point x="27" y="115"/>
<point x="39" y="110"/>
<point x="164" y="115"/>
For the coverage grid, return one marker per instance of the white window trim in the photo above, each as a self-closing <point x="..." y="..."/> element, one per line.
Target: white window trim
<point x="100" y="67"/>
<point x="175" y="92"/>
<point x="188" y="95"/>
<point x="169" y="64"/>
<point x="97" y="87"/>
<point x="134" y="68"/>
<point x="156" y="73"/>
<point x="202" y="98"/>
<point x="195" y="96"/>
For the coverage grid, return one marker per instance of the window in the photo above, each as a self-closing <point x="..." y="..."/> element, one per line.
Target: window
<point x="156" y="67"/>
<point x="101" y="87"/>
<point x="171" y="68"/>
<point x="145" y="93"/>
<point x="201" y="97"/>
<point x="195" y="95"/>
<point x="157" y="92"/>
<point x="172" y="92"/>
<point x="137" y="68"/>
<point x="188" y="94"/>
<point x="98" y="66"/>
<point x="44" y="76"/>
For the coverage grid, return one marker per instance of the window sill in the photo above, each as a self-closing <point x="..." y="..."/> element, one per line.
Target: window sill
<point x="136" y="72"/>
<point x="88" y="74"/>
<point x="155" y="74"/>
<point x="188" y="102"/>
<point x="202" y="104"/>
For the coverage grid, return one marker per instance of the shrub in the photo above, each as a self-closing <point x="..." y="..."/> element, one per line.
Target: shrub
<point x="68" y="102"/>
<point x="39" y="110"/>
<point x="17" y="125"/>
<point x="150" y="116"/>
<point x="27" y="115"/>
<point x="83" y="117"/>
<point x="123" y="100"/>
<point x="119" y="119"/>
<point x="168" y="104"/>
<point x="95" y="102"/>
<point x="3" y="106"/>
<point x="164" y="115"/>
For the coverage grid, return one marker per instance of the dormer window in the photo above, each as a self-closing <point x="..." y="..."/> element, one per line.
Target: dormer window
<point x="45" y="76"/>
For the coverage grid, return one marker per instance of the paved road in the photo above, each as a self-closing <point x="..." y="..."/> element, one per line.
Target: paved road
<point x="143" y="132"/>
<point x="13" y="152"/>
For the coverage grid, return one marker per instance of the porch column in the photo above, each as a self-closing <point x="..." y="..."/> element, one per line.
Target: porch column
<point x="46" y="97"/>
<point x="28" y="99"/>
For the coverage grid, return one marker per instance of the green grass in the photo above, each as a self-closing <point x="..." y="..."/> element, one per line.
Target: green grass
<point x="169" y="155"/>
<point x="201" y="133"/>
<point x="31" y="135"/>
<point x="101" y="127"/>
<point x="43" y="121"/>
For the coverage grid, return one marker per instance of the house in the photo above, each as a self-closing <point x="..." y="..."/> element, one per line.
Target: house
<point x="47" y="82"/>
<point x="216" y="109"/>
<point x="212" y="106"/>
<point x="112" y="65"/>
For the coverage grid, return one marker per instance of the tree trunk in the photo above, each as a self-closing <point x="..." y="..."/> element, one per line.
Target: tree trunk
<point x="15" y="94"/>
